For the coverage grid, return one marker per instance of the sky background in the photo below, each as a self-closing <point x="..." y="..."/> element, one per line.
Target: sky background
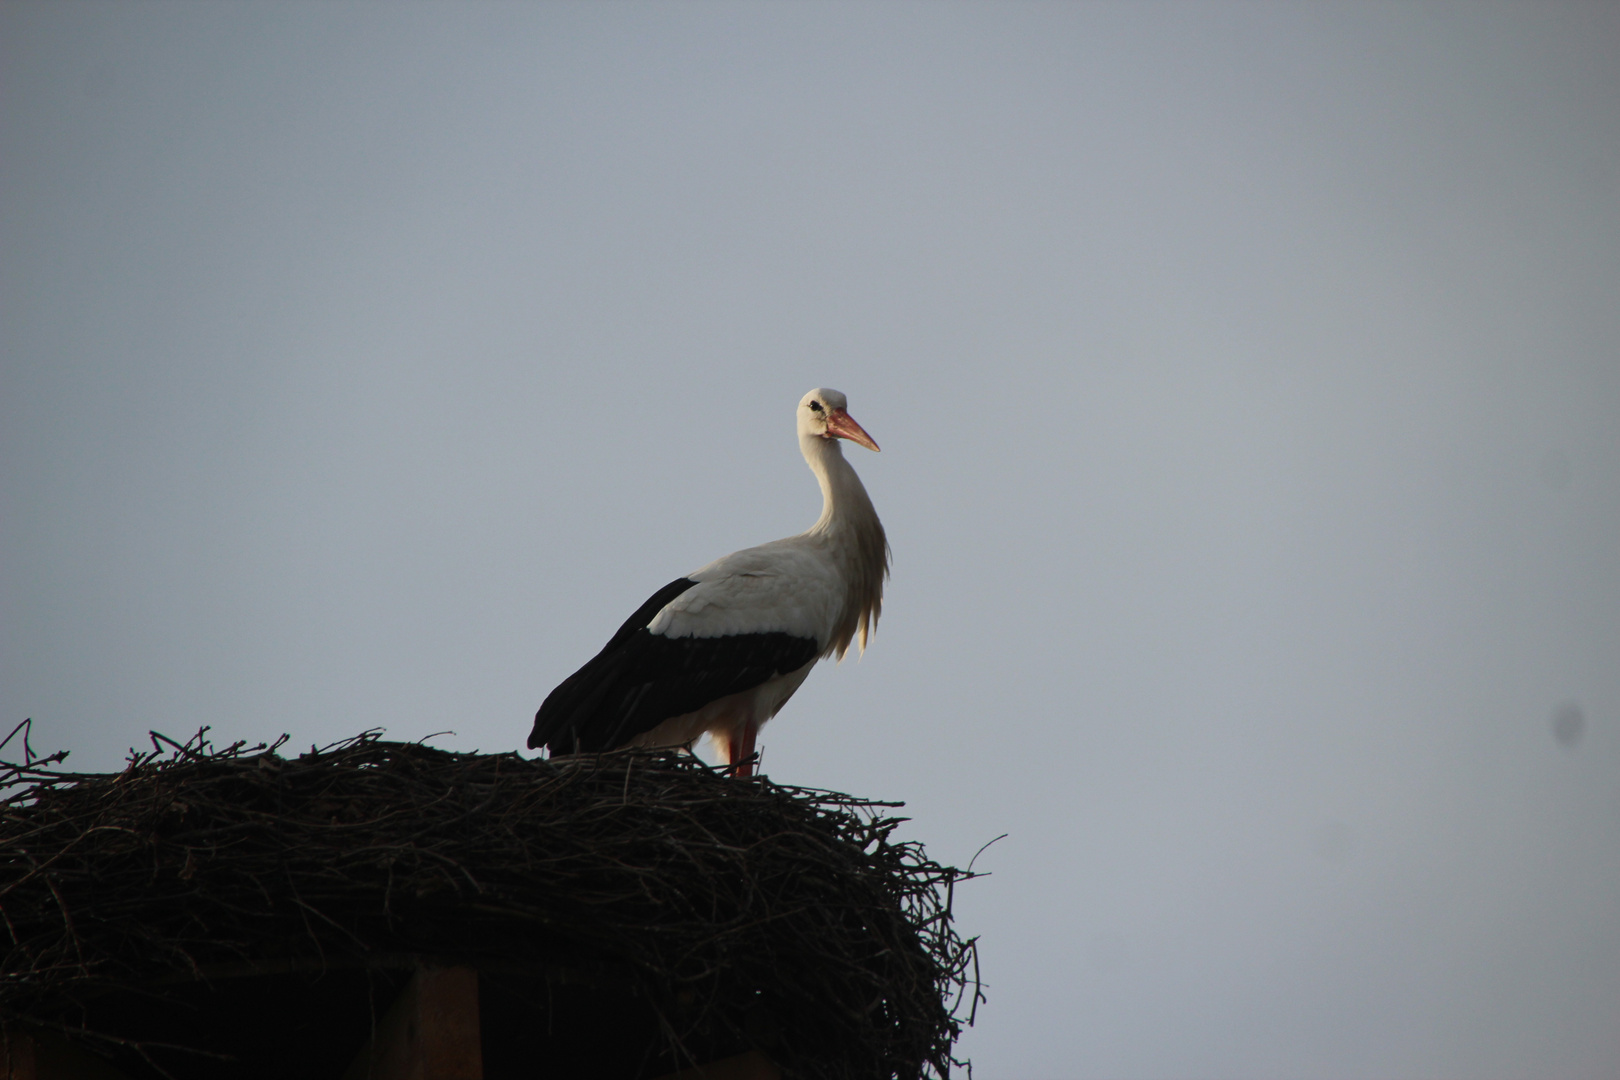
<point x="1248" y="379"/>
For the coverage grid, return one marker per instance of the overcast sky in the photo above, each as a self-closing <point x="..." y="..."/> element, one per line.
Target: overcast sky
<point x="1247" y="378"/>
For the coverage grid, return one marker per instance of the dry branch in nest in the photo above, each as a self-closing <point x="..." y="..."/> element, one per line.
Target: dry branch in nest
<point x="736" y="912"/>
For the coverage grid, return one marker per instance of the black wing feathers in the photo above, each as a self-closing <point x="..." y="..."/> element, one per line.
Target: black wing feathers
<point x="641" y="679"/>
<point x="648" y="611"/>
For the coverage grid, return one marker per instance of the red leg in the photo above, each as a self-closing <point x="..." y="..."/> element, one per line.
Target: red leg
<point x="739" y="748"/>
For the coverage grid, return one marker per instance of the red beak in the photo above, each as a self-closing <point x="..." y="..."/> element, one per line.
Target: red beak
<point x="841" y="425"/>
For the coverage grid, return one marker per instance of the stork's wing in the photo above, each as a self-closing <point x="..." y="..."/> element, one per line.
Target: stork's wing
<point x="693" y="642"/>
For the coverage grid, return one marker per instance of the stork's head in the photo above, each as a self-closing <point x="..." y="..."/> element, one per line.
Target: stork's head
<point x="823" y="414"/>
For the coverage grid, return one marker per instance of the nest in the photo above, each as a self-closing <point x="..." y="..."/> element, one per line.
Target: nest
<point x="716" y="913"/>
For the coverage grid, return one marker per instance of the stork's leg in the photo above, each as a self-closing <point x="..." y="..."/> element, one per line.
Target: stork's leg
<point x="740" y="747"/>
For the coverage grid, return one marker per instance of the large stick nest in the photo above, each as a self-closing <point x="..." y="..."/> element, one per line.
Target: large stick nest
<point x="731" y="907"/>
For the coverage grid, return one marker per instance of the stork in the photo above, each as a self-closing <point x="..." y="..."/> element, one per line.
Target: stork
<point x="719" y="651"/>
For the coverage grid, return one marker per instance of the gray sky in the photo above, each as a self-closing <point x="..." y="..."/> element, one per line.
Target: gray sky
<point x="1247" y="377"/>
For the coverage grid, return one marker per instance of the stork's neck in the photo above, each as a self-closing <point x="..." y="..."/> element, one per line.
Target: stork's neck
<point x="845" y="506"/>
<point x="854" y="537"/>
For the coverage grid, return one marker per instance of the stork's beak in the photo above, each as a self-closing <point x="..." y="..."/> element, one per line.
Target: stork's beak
<point x="841" y="425"/>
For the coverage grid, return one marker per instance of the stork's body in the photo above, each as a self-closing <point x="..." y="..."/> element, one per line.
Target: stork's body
<point x="720" y="651"/>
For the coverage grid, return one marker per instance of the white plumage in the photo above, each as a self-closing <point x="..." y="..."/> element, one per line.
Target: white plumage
<point x="721" y="650"/>
<point x="791" y="585"/>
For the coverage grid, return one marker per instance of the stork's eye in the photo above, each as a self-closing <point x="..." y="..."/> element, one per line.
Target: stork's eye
<point x="816" y="405"/>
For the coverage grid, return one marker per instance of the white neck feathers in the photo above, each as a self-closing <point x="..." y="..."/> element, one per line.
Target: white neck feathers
<point x="849" y="525"/>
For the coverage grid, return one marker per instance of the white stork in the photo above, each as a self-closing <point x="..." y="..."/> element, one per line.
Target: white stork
<point x="720" y="651"/>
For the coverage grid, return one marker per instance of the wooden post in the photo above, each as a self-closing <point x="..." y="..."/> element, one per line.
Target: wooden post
<point x="430" y="1033"/>
<point x="34" y="1054"/>
<point x="18" y="1053"/>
